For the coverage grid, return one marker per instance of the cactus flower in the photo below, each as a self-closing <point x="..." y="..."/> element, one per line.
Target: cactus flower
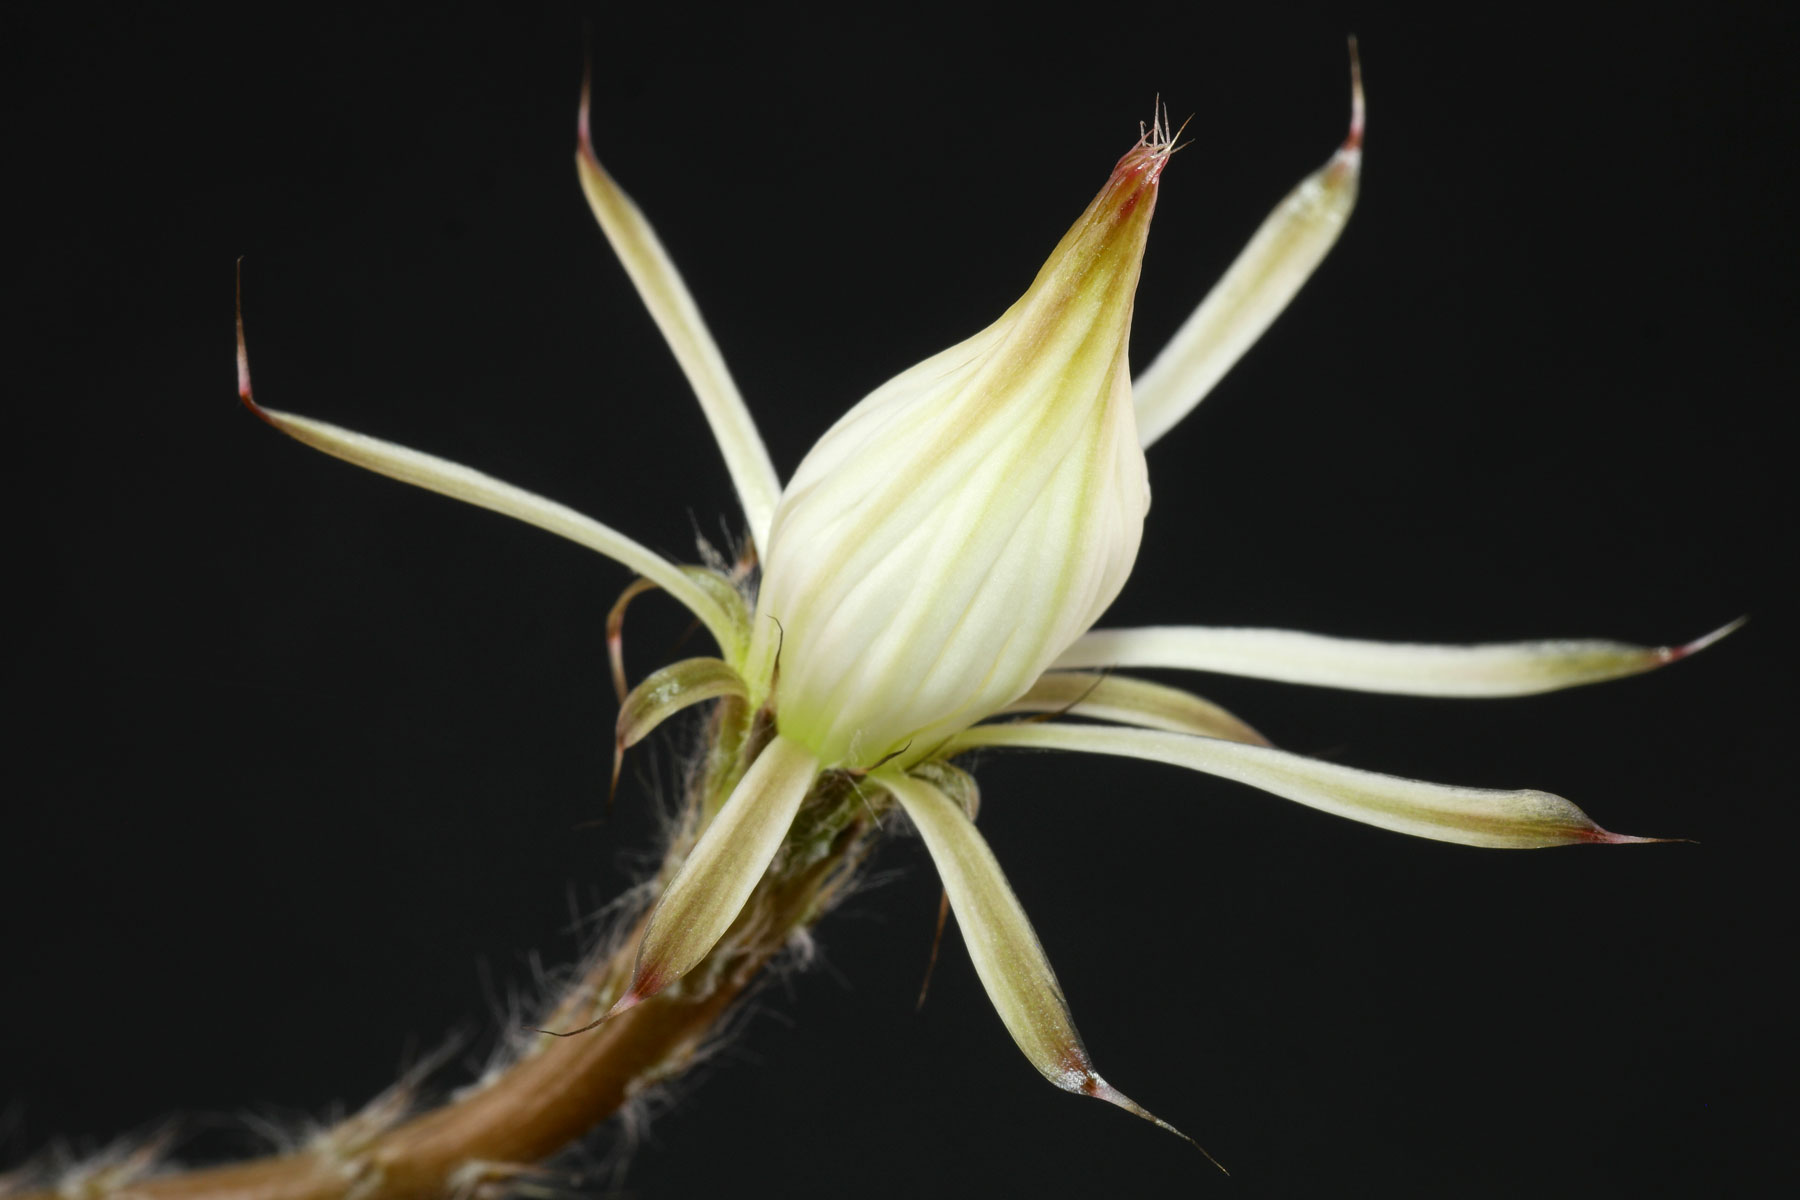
<point x="937" y="561"/>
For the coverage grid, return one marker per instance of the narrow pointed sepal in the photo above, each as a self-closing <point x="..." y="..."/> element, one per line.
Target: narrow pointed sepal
<point x="1132" y="702"/>
<point x="1008" y="958"/>
<point x="1486" y="817"/>
<point x="1261" y="282"/>
<point x="1486" y="669"/>
<point x="666" y="692"/>
<point x="660" y="287"/>
<point x="458" y="482"/>
<point x="723" y="868"/>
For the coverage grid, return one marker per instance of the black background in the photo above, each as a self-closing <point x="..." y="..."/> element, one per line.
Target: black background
<point x="304" y="755"/>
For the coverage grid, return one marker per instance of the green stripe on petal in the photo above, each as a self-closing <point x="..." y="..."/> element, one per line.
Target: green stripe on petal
<point x="1004" y="948"/>
<point x="1132" y="702"/>
<point x="1505" y="820"/>
<point x="1403" y="668"/>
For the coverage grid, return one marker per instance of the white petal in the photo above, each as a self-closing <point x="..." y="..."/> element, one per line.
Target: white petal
<point x="1401" y="668"/>
<point x="1508" y="820"/>
<point x="660" y="287"/>
<point x="1267" y="274"/>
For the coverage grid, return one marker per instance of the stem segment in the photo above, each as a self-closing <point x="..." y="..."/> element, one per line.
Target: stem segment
<point x="560" y="1088"/>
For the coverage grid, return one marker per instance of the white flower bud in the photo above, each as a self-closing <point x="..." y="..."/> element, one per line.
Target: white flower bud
<point x="955" y="531"/>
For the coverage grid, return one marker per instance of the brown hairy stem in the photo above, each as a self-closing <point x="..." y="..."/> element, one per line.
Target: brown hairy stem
<point x="560" y="1088"/>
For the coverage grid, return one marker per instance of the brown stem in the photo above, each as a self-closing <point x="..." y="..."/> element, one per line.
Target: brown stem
<point x="551" y="1096"/>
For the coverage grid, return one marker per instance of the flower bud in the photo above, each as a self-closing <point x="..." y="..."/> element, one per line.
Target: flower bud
<point x="957" y="529"/>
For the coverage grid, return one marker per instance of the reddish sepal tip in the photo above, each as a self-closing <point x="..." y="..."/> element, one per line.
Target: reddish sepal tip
<point x="1605" y="837"/>
<point x="584" y="137"/>
<point x="243" y="357"/>
<point x="1358" y="109"/>
<point x="626" y="1003"/>
<point x="1677" y="653"/>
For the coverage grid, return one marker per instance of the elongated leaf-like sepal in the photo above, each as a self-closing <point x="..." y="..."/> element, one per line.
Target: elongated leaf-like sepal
<point x="1403" y="668"/>
<point x="1005" y="949"/>
<point x="724" y="867"/>
<point x="1132" y="702"/>
<point x="1267" y="274"/>
<point x="1507" y="820"/>
<point x="484" y="491"/>
<point x="660" y="287"/>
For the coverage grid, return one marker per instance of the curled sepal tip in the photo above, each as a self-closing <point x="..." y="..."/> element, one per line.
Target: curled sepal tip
<point x="615" y="633"/>
<point x="1005" y="949"/>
